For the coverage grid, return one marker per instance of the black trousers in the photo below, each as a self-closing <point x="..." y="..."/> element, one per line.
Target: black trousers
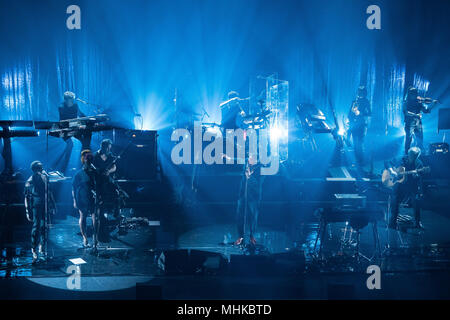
<point x="247" y="219"/>
<point x="85" y="140"/>
<point x="7" y="156"/>
<point x="413" y="127"/>
<point x="399" y="194"/>
<point x="358" y="135"/>
<point x="38" y="233"/>
<point x="62" y="162"/>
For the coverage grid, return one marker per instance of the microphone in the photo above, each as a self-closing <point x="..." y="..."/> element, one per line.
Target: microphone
<point x="45" y="174"/>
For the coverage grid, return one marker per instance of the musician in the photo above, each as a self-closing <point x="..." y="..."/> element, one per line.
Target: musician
<point x="104" y="159"/>
<point x="36" y="194"/>
<point x="411" y="187"/>
<point x="232" y="111"/>
<point x="248" y="202"/>
<point x="84" y="195"/>
<point x="104" y="162"/>
<point x="70" y="110"/>
<point x="413" y="107"/>
<point x="358" y="121"/>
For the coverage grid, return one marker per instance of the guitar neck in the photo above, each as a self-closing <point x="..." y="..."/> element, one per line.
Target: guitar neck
<point x="407" y="173"/>
<point x="413" y="171"/>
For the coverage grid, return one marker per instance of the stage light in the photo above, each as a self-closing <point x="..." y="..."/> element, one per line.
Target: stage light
<point x="138" y="122"/>
<point x="278" y="133"/>
<point x="214" y="130"/>
<point x="275" y="133"/>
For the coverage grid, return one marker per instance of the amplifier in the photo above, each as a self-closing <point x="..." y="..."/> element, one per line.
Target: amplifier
<point x="438" y="148"/>
<point x="439" y="162"/>
<point x="139" y="159"/>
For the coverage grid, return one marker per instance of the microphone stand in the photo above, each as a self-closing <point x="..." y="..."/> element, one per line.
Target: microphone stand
<point x="245" y="197"/>
<point x="97" y="106"/>
<point x="205" y="113"/>
<point x="46" y="214"/>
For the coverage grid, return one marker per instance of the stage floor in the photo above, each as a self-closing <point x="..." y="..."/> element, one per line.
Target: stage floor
<point x="123" y="262"/>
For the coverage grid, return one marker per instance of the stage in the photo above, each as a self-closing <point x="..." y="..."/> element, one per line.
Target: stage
<point x="128" y="268"/>
<point x="224" y="150"/>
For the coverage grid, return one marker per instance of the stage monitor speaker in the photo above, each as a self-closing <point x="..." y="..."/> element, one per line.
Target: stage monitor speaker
<point x="173" y="262"/>
<point x="147" y="291"/>
<point x="339" y="291"/>
<point x="186" y="261"/>
<point x="439" y="164"/>
<point x="138" y="150"/>
<point x="438" y="148"/>
<point x="206" y="262"/>
<point x="278" y="264"/>
<point x="289" y="262"/>
<point x="251" y="265"/>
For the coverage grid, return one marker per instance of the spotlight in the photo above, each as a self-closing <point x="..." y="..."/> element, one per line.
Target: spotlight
<point x="277" y="133"/>
<point x="213" y="130"/>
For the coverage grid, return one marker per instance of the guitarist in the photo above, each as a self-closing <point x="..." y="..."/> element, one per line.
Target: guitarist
<point x="413" y="107"/>
<point x="105" y="163"/>
<point x="412" y="186"/>
<point x="358" y="121"/>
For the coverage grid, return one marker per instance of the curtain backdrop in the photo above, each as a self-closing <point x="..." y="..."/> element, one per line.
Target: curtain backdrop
<point x="131" y="56"/>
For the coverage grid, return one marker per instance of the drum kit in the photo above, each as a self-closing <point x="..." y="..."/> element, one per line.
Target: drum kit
<point x="186" y="119"/>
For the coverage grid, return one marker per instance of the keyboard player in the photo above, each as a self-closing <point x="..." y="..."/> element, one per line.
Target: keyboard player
<point x="69" y="110"/>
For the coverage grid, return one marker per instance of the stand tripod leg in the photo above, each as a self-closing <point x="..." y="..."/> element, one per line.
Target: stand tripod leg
<point x="358" y="238"/>
<point x="46" y="215"/>
<point x="376" y="239"/>
<point x="321" y="235"/>
<point x="319" y="231"/>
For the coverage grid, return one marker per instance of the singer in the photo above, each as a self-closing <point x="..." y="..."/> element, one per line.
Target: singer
<point x="38" y="201"/>
<point x="84" y="194"/>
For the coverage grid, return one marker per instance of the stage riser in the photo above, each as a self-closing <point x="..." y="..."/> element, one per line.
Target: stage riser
<point x="225" y="188"/>
<point x="189" y="262"/>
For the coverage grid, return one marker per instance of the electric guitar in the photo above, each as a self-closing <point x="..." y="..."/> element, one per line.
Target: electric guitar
<point x="389" y="180"/>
